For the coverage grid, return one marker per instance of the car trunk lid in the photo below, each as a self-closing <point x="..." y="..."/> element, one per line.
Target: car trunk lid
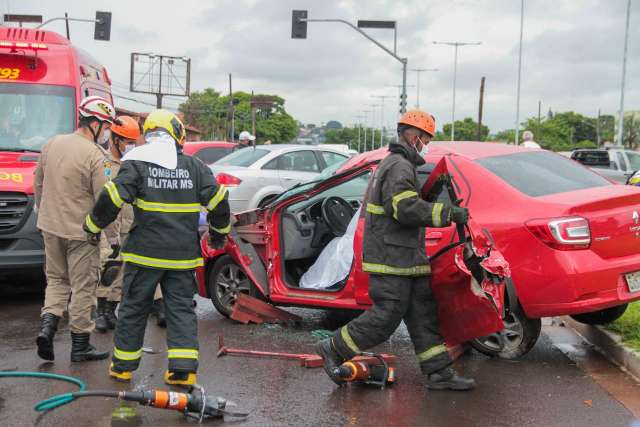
<point x="613" y="213"/>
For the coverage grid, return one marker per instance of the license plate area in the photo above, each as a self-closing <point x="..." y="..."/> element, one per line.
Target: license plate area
<point x="633" y="281"/>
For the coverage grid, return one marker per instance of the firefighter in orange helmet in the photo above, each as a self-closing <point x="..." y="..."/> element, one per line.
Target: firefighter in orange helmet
<point x="123" y="138"/>
<point x="394" y="255"/>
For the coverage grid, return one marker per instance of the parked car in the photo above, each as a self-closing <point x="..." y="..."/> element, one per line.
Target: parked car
<point x="208" y="151"/>
<point x="254" y="175"/>
<point x="571" y="237"/>
<point x="614" y="163"/>
<point x="270" y="249"/>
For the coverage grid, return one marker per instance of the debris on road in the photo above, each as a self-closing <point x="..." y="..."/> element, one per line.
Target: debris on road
<point x="248" y="309"/>
<point x="306" y="360"/>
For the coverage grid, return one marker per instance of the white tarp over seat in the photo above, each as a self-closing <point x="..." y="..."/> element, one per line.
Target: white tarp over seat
<point x="334" y="263"/>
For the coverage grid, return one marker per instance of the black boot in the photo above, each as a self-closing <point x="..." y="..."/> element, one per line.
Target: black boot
<point x="82" y="350"/>
<point x="158" y="311"/>
<point x="110" y="314"/>
<point x="102" y="323"/>
<point x="332" y="360"/>
<point x="48" y="328"/>
<point x="449" y="379"/>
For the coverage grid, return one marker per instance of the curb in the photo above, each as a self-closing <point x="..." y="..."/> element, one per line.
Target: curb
<point x="609" y="344"/>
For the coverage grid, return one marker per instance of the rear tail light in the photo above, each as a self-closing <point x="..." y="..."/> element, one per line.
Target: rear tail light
<point x="565" y="234"/>
<point x="228" y="180"/>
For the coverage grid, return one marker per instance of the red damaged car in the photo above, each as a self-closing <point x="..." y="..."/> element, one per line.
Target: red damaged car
<point x="270" y="250"/>
<point x="571" y="237"/>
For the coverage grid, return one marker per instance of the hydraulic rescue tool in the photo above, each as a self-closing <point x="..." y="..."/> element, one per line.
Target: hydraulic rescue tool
<point x="379" y="374"/>
<point x="193" y="404"/>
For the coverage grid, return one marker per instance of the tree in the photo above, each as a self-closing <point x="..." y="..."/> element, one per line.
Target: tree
<point x="333" y="124"/>
<point x="349" y="136"/>
<point x="465" y="130"/>
<point x="506" y="136"/>
<point x="631" y="131"/>
<point x="210" y="112"/>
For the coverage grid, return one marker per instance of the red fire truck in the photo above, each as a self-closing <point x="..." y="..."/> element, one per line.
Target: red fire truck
<point x="42" y="79"/>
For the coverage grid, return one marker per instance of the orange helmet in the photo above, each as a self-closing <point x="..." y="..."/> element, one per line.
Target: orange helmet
<point x="126" y="128"/>
<point x="419" y="119"/>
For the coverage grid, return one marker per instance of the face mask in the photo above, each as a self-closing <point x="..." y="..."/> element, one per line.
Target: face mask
<point x="423" y="152"/>
<point x="103" y="139"/>
<point x="128" y="148"/>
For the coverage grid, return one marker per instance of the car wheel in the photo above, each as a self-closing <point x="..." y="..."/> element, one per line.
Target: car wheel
<point x="226" y="280"/>
<point x="601" y="317"/>
<point x="517" y="338"/>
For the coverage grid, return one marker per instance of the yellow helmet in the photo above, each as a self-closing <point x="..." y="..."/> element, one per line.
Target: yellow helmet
<point x="166" y="120"/>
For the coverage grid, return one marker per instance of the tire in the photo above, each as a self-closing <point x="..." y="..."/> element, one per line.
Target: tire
<point x="226" y="280"/>
<point x="601" y="317"/>
<point x="519" y="336"/>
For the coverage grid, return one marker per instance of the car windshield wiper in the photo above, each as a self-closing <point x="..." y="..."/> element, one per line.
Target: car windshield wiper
<point x="19" y="150"/>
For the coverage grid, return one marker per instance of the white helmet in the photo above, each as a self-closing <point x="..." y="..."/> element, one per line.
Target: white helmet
<point x="98" y="107"/>
<point x="244" y="135"/>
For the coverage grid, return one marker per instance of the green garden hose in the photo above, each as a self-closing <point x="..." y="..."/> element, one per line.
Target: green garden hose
<point x="53" y="401"/>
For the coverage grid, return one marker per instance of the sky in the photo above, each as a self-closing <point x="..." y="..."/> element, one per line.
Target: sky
<point x="572" y="53"/>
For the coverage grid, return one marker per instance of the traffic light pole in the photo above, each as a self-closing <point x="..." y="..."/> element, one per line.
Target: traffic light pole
<point x="403" y="61"/>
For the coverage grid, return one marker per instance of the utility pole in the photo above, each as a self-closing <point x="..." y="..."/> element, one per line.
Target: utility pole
<point x="382" y="127"/>
<point x="419" y="71"/>
<point x="455" y="72"/>
<point x="373" y="125"/>
<point x="539" y="131"/>
<point x="359" y="124"/>
<point x="233" y="112"/>
<point x="364" y="145"/>
<point x="624" y="76"/>
<point x="598" y="129"/>
<point x="517" y="124"/>
<point x="480" y="106"/>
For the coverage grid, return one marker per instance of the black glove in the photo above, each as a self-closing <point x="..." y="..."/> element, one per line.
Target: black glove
<point x="92" y="238"/>
<point x="459" y="215"/>
<point x="217" y="240"/>
<point x="115" y="251"/>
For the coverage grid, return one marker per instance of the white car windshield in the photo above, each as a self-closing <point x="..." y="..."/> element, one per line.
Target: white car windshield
<point x="243" y="157"/>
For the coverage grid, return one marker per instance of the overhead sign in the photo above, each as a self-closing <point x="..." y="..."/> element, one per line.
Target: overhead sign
<point x="376" y="24"/>
<point x="8" y="17"/>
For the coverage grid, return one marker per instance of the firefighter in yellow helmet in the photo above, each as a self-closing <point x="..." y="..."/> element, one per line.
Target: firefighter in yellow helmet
<point x="394" y="254"/>
<point x="167" y="190"/>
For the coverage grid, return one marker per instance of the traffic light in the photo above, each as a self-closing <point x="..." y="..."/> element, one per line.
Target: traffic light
<point x="403" y="103"/>
<point x="298" y="28"/>
<point x="103" y="26"/>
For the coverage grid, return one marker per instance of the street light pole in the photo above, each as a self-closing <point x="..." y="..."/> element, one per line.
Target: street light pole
<point x="517" y="124"/>
<point x="382" y="127"/>
<point x="364" y="144"/>
<point x="455" y="72"/>
<point x="624" y="76"/>
<point x="418" y="71"/>
<point x="373" y="125"/>
<point x="359" y="124"/>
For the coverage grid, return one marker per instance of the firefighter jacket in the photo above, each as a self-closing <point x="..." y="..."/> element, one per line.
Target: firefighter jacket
<point x="167" y="205"/>
<point x="70" y="175"/>
<point x="396" y="217"/>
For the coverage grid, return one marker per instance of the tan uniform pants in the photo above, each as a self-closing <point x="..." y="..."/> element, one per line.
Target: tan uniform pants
<point x="72" y="275"/>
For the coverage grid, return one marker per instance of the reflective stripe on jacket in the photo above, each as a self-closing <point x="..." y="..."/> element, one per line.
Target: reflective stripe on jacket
<point x="396" y="217"/>
<point x="167" y="205"/>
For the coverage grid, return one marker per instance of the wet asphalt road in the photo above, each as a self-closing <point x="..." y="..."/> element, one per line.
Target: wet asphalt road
<point x="545" y="388"/>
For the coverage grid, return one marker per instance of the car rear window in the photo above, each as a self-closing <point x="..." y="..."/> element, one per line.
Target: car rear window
<point x="592" y="158"/>
<point x="243" y="157"/>
<point x="542" y="173"/>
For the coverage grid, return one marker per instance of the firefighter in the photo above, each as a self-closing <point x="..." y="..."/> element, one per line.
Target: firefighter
<point x="123" y="139"/>
<point x="394" y="256"/>
<point x="167" y="190"/>
<point x="71" y="172"/>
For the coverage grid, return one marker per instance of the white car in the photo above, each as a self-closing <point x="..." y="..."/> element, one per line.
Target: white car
<point x="254" y="175"/>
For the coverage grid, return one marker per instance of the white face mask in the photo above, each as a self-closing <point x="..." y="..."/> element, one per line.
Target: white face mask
<point x="103" y="139"/>
<point x="128" y="148"/>
<point x="424" y="150"/>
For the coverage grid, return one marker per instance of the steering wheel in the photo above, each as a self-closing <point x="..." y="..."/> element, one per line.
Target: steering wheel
<point x="337" y="214"/>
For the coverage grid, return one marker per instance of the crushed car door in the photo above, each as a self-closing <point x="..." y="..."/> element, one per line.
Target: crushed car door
<point x="467" y="271"/>
<point x="248" y="247"/>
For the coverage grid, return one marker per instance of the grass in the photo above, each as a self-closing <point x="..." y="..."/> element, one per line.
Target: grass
<point x="628" y="326"/>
